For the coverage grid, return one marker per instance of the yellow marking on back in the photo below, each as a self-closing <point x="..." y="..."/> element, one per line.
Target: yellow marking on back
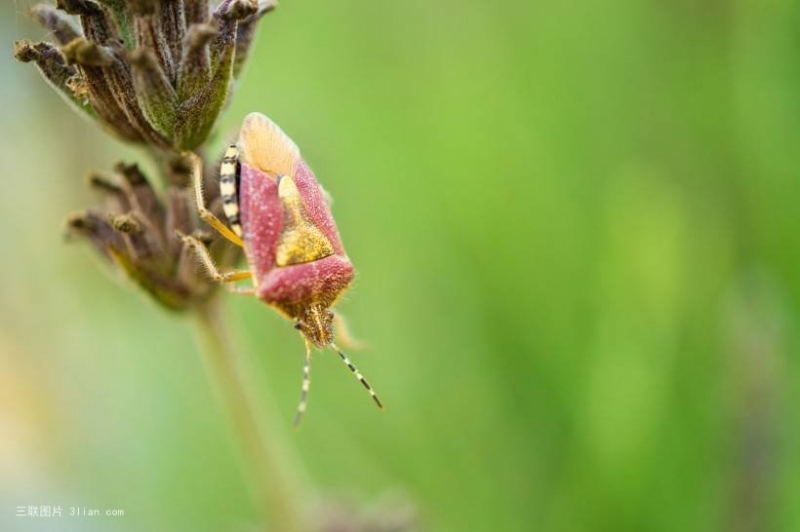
<point x="231" y="153"/>
<point x="265" y="147"/>
<point x="227" y="169"/>
<point x="301" y="240"/>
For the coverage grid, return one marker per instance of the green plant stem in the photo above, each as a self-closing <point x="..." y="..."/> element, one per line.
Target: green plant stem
<point x="279" y="485"/>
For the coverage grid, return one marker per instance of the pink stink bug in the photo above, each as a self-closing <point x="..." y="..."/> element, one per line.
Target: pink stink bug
<point x="280" y="215"/>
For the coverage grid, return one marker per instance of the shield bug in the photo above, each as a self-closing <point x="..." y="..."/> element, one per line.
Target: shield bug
<point x="280" y="215"/>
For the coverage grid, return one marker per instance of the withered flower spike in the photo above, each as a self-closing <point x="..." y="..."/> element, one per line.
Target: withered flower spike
<point x="154" y="72"/>
<point x="61" y="26"/>
<point x="138" y="236"/>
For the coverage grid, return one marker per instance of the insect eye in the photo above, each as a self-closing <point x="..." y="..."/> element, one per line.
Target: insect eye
<point x="298" y="325"/>
<point x="330" y="314"/>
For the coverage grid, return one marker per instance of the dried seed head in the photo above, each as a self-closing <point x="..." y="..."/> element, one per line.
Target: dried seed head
<point x="153" y="72"/>
<point x="156" y="73"/>
<point x="137" y="235"/>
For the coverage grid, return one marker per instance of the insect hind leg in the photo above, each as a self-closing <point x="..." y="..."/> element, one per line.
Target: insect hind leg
<point x="205" y="259"/>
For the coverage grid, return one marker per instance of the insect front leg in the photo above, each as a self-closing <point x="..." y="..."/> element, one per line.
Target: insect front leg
<point x="205" y="214"/>
<point x="205" y="258"/>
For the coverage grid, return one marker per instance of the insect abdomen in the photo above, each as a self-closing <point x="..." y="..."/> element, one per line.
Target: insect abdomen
<point x="229" y="187"/>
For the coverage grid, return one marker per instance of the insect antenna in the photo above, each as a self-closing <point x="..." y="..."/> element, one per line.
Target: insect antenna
<point x="301" y="407"/>
<point x="358" y="375"/>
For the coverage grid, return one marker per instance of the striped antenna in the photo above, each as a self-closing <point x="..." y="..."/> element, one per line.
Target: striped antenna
<point x="359" y="376"/>
<point x="301" y="408"/>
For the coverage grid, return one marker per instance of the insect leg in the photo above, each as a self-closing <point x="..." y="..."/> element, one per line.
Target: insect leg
<point x="205" y="258"/>
<point x="358" y="375"/>
<point x="301" y="407"/>
<point x="205" y="214"/>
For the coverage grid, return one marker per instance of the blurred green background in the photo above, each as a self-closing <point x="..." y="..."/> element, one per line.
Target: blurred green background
<point x="578" y="237"/>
